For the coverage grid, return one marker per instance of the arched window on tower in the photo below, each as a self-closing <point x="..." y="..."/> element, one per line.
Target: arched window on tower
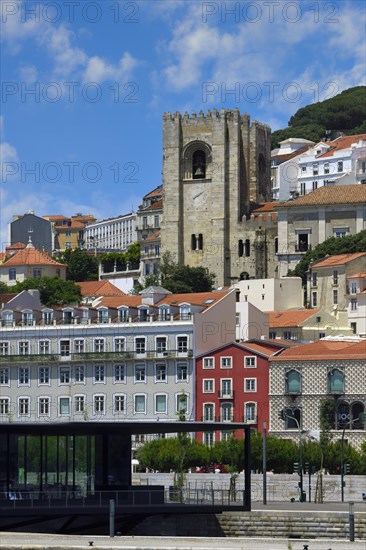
<point x="199" y="164"/>
<point x="240" y="248"/>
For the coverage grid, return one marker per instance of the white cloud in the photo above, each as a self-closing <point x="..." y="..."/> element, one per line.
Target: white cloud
<point x="28" y="73"/>
<point x="98" y="70"/>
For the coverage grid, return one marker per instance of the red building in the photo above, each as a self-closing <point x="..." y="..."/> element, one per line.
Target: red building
<point x="232" y="385"/>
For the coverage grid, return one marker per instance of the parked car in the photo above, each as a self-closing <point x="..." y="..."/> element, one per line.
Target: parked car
<point x="212" y="469"/>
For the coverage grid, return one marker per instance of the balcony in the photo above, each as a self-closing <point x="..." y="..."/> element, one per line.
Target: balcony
<point x="226" y="394"/>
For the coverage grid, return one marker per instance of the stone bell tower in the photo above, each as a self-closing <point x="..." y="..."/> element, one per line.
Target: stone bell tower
<point x="214" y="165"/>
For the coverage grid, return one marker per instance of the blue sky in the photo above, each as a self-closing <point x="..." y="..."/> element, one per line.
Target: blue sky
<point x="85" y="84"/>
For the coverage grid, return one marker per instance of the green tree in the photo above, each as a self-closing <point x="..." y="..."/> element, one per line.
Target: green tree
<point x="4" y="289"/>
<point x="81" y="266"/>
<point x="53" y="290"/>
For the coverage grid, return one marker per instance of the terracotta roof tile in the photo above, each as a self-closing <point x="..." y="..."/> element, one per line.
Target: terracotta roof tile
<point x="195" y="298"/>
<point x="155" y="192"/>
<point x="5" y="298"/>
<point x="338" y="259"/>
<point x="32" y="256"/>
<point x="154" y="206"/>
<point x="152" y="237"/>
<point x="339" y="194"/>
<point x="324" y="349"/>
<point x="357" y="276"/>
<point x="99" y="288"/>
<point x="129" y="301"/>
<point x="267" y="207"/>
<point x="294" y="154"/>
<point x="290" y="318"/>
<point x="343" y="142"/>
<point x="15" y="246"/>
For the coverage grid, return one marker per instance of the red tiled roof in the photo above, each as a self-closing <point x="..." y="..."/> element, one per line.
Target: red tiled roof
<point x="152" y="237"/>
<point x="155" y="205"/>
<point x="290" y="318"/>
<point x="15" y="246"/>
<point x="357" y="276"/>
<point x="324" y="349"/>
<point x="99" y="288"/>
<point x="32" y="256"/>
<point x="154" y="193"/>
<point x="5" y="298"/>
<point x="129" y="301"/>
<point x="343" y="142"/>
<point x="339" y="194"/>
<point x="294" y="154"/>
<point x="195" y="298"/>
<point x="338" y="259"/>
<point x="266" y="207"/>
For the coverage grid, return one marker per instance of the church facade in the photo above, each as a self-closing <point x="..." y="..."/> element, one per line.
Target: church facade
<point x="216" y="168"/>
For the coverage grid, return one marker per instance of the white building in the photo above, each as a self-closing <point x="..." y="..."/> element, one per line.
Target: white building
<point x="338" y="162"/>
<point x="111" y="234"/>
<point x="356" y="303"/>
<point x="272" y="294"/>
<point x="285" y="166"/>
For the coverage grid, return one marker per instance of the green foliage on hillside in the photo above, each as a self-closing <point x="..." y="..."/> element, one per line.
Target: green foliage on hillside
<point x="344" y="112"/>
<point x="344" y="245"/>
<point x="53" y="290"/>
<point x="121" y="259"/>
<point x="81" y="266"/>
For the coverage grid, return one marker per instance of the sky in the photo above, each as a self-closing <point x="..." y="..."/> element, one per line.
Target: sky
<point x="85" y="85"/>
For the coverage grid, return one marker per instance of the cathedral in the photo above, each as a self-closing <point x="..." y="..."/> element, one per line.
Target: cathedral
<point x="216" y="173"/>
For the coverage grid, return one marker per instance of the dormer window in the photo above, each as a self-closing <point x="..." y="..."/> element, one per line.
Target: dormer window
<point x="185" y="312"/>
<point x="27" y="318"/>
<point x="47" y="317"/>
<point x="143" y="314"/>
<point x="68" y="316"/>
<point x="7" y="318"/>
<point x="164" y="313"/>
<point x="103" y="315"/>
<point x="123" y="315"/>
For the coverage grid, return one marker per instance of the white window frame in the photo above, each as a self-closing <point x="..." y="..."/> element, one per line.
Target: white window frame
<point x="209" y="360"/>
<point x="253" y="420"/>
<point x="118" y="379"/>
<point x="62" y="341"/>
<point x="21" y="343"/>
<point x="104" y="401"/>
<point x="211" y="382"/>
<point x="182" y="351"/>
<point x="77" y="401"/>
<point x="79" y="343"/>
<point x="97" y="342"/>
<point x="119" y="395"/>
<point x="5" y="408"/>
<point x="251" y="382"/>
<point x="43" y="342"/>
<point x="77" y="378"/>
<point x="161" y="337"/>
<point x="145" y="403"/>
<point x="209" y="438"/>
<point x="224" y="381"/>
<point x="226" y="359"/>
<point x="19" y="399"/>
<point x="177" y="377"/>
<point x="68" y="398"/>
<point x="253" y="359"/>
<point x="40" y="368"/>
<point x="163" y="380"/>
<point x="5" y="374"/>
<point x="102" y="369"/>
<point x="40" y="397"/>
<point x="142" y="368"/>
<point x="209" y="406"/>
<point x="156" y="395"/>
<point x="24" y="384"/>
<point x="4" y="348"/>
<point x="177" y="396"/>
<point x="63" y="368"/>
<point x="226" y="406"/>
<point x="140" y="353"/>
<point x="119" y="342"/>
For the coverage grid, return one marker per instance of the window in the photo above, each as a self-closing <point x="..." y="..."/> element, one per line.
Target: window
<point x="182" y="403"/>
<point x="199" y="164"/>
<point x="185" y="312"/>
<point x="65" y="375"/>
<point x="79" y="403"/>
<point x="23" y="376"/>
<point x="164" y="314"/>
<point x="27" y="318"/>
<point x="293" y="382"/>
<point x="226" y="362"/>
<point x="326" y="168"/>
<point x="335" y="381"/>
<point x="79" y="374"/>
<point x="226" y="412"/>
<point x="4" y="376"/>
<point x="247" y="248"/>
<point x="354" y="328"/>
<point x="272" y="335"/>
<point x="353" y="304"/>
<point x="315" y="185"/>
<point x="140" y="403"/>
<point x="119" y="403"/>
<point x="339" y="234"/>
<point x="119" y="373"/>
<point x="103" y="316"/>
<point x="335" y="297"/>
<point x="250" y="412"/>
<point x="250" y="384"/>
<point x="250" y="362"/>
<point x="43" y="406"/>
<point x="144" y="222"/>
<point x="315" y="169"/>
<point x="99" y="345"/>
<point x="4" y="348"/>
<point x="314" y="299"/>
<point x="23" y="406"/>
<point x="335" y="277"/>
<point x="303" y="187"/>
<point x="4" y="405"/>
<point x="161" y="404"/>
<point x="161" y="344"/>
<point x="119" y="344"/>
<point x="340" y="166"/>
<point x="44" y="375"/>
<point x="240" y="248"/>
<point x="123" y="315"/>
<point x="208" y="385"/>
<point x="99" y="404"/>
<point x="208" y="362"/>
<point x="79" y="346"/>
<point x="140" y="345"/>
<point x="182" y="344"/>
<point x="65" y="347"/>
<point x="143" y="314"/>
<point x="44" y="347"/>
<point x="99" y="374"/>
<point x="23" y="348"/>
<point x="292" y="419"/>
<point x="140" y="373"/>
<point x="208" y="412"/>
<point x="208" y="438"/>
<point x="314" y="276"/>
<point x="226" y="388"/>
<point x="160" y="373"/>
<point x="182" y="372"/>
<point x="12" y="274"/>
<point x="302" y="242"/>
<point x="353" y="289"/>
<point x="156" y="221"/>
<point x="64" y="405"/>
<point x="47" y="317"/>
<point x="37" y="273"/>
